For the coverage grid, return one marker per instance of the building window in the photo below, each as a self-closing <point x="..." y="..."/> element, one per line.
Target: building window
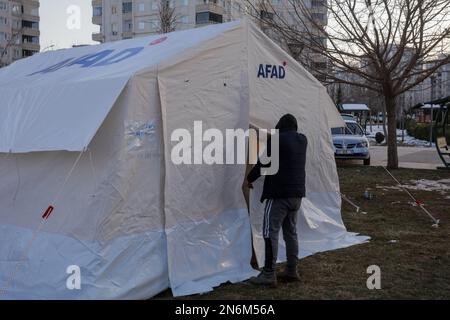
<point x="3" y="6"/>
<point x="141" y="25"/>
<point x="17" y="9"/>
<point x="30" y="39"/>
<point x="202" y="17"/>
<point x="208" y="17"/>
<point x="318" y="16"/>
<point x="317" y="3"/>
<point x="28" y="53"/>
<point x="155" y="5"/>
<point x="184" y="19"/>
<point x="127" y="7"/>
<point x="141" y="7"/>
<point x="16" y="24"/>
<point x="113" y="10"/>
<point x="127" y="26"/>
<point x="98" y="11"/>
<point x="3" y="36"/>
<point x="3" y="21"/>
<point x="115" y="29"/>
<point x="30" y="24"/>
<point x="155" y="23"/>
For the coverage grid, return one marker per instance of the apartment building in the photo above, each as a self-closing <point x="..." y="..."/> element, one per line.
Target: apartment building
<point x="124" y="19"/>
<point x="437" y="86"/>
<point x="19" y="29"/>
<point x="288" y="11"/>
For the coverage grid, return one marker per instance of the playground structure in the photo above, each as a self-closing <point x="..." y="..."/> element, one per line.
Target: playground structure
<point x="440" y="128"/>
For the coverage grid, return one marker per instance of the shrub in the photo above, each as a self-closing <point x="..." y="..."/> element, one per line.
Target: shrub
<point x="422" y="131"/>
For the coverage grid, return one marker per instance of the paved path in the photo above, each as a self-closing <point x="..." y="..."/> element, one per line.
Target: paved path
<point x="408" y="157"/>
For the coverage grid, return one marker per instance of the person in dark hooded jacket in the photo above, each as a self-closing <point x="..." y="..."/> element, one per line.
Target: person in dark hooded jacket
<point x="282" y="193"/>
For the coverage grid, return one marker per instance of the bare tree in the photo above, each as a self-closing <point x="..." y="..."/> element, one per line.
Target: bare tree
<point x="167" y="17"/>
<point x="4" y="49"/>
<point x="385" y="44"/>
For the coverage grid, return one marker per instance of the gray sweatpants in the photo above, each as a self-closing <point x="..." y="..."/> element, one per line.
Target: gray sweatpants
<point x="280" y="214"/>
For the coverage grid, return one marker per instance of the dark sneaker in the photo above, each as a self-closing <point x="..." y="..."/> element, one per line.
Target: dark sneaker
<point x="289" y="275"/>
<point x="268" y="279"/>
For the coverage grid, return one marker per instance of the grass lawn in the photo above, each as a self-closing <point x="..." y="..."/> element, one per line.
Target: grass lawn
<point x="416" y="266"/>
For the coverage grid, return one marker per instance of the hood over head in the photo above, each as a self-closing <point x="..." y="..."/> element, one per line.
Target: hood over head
<point x="287" y="123"/>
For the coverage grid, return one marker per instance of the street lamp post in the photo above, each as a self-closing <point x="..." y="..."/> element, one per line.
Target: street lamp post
<point x="48" y="47"/>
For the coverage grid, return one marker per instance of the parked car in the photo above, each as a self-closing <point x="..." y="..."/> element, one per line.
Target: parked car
<point x="350" y="142"/>
<point x="347" y="116"/>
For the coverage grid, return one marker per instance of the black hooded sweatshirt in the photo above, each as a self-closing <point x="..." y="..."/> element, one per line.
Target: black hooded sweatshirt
<point x="289" y="181"/>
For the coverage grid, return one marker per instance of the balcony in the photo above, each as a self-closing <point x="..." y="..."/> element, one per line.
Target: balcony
<point x="31" y="46"/>
<point x="209" y="7"/>
<point x="208" y="13"/>
<point x="32" y="3"/>
<point x="30" y="17"/>
<point x="31" y="32"/>
<point x="127" y="34"/>
<point x="98" y="37"/>
<point x="97" y="20"/>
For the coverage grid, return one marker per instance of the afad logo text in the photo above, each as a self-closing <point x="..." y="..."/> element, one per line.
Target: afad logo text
<point x="272" y="71"/>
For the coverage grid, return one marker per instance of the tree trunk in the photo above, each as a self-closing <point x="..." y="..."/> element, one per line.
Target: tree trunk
<point x="383" y="123"/>
<point x="392" y="162"/>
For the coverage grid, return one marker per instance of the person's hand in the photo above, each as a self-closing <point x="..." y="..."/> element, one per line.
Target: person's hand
<point x="249" y="185"/>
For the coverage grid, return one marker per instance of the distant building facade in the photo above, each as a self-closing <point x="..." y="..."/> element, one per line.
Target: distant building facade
<point x="124" y="19"/>
<point x="19" y="30"/>
<point x="437" y="86"/>
<point x="434" y="87"/>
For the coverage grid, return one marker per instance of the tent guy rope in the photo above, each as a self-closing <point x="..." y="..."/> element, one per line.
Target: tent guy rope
<point x="358" y="208"/>
<point x="416" y="202"/>
<point x="36" y="232"/>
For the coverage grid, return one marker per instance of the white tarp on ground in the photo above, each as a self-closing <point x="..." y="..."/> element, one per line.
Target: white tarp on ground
<point x="133" y="221"/>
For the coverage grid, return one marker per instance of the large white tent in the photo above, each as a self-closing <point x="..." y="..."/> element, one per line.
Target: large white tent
<point x="86" y="134"/>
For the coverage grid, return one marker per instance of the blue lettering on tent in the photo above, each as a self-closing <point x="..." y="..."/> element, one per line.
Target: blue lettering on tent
<point x="261" y="72"/>
<point x="274" y="72"/>
<point x="92" y="60"/>
<point x="281" y="72"/>
<point x="125" y="54"/>
<point x="268" y="69"/>
<point x="271" y="71"/>
<point x="53" y="67"/>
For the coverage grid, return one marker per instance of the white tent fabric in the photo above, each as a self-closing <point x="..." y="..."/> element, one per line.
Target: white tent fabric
<point x="37" y="110"/>
<point x="320" y="224"/>
<point x="133" y="221"/>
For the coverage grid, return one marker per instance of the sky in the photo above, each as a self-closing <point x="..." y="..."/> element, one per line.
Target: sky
<point x="65" y="23"/>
